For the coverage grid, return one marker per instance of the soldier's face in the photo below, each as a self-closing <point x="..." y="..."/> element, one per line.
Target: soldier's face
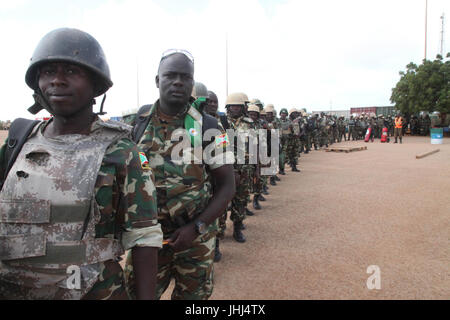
<point x="283" y="116"/>
<point x="67" y="88"/>
<point x="212" y="104"/>
<point x="175" y="80"/>
<point x="236" y="111"/>
<point x="253" y="115"/>
<point x="269" y="116"/>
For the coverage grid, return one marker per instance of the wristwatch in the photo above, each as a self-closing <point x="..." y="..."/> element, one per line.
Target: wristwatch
<point x="200" y="227"/>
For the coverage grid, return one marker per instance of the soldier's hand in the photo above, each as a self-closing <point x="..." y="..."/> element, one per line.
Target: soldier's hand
<point x="182" y="238"/>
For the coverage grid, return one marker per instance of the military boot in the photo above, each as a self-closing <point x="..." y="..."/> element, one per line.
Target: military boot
<point x="261" y="198"/>
<point x="248" y="212"/>
<point x="272" y="181"/>
<point x="217" y="253"/>
<point x="265" y="190"/>
<point x="294" y="168"/>
<point x="237" y="232"/>
<point x="276" y="178"/>
<point x="400" y="140"/>
<point x="282" y="172"/>
<point x="256" y="204"/>
<point x="395" y="140"/>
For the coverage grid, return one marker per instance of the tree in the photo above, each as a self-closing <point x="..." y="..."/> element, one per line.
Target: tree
<point x="424" y="88"/>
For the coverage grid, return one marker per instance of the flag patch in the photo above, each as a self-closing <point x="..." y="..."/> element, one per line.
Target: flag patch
<point x="222" y="140"/>
<point x="144" y="161"/>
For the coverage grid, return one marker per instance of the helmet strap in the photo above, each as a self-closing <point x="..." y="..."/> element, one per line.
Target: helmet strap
<point x="101" y="106"/>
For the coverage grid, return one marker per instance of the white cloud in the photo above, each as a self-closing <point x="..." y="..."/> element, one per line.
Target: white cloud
<point x="292" y="53"/>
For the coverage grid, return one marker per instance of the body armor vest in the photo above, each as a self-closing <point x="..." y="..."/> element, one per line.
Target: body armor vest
<point x="48" y="214"/>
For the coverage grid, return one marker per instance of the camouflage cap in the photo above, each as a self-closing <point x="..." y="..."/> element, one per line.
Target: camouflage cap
<point x="284" y="110"/>
<point x="253" y="107"/>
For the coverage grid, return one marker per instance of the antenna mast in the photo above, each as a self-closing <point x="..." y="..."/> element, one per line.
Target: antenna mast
<point x="442" y="35"/>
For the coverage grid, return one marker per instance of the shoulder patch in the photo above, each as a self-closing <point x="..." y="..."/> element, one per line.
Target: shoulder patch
<point x="222" y="140"/>
<point x="144" y="161"/>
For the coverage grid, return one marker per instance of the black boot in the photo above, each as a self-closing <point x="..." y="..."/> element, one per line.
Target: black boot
<point x="276" y="178"/>
<point x="307" y="151"/>
<point x="217" y="253"/>
<point x="256" y="204"/>
<point x="400" y="140"/>
<point x="395" y="140"/>
<point x="248" y="212"/>
<point x="282" y="172"/>
<point x="261" y="198"/>
<point x="272" y="181"/>
<point x="265" y="191"/>
<point x="237" y="232"/>
<point x="294" y="168"/>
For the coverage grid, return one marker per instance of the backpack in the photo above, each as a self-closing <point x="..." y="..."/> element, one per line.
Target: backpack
<point x="18" y="133"/>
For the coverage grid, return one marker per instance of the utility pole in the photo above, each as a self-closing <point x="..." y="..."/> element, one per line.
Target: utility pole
<point x="442" y="36"/>
<point x="226" y="64"/>
<point x="426" y="25"/>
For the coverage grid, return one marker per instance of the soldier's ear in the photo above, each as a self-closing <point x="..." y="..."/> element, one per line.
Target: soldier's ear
<point x="157" y="81"/>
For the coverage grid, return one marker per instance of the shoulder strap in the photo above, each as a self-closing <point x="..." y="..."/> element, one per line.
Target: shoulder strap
<point x="209" y="122"/>
<point x="141" y="122"/>
<point x="18" y="133"/>
<point x="224" y="121"/>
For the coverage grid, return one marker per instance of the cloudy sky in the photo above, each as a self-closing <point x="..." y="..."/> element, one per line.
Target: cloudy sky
<point x="319" y="55"/>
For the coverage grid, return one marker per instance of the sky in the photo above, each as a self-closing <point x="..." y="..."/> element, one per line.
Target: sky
<point x="318" y="55"/>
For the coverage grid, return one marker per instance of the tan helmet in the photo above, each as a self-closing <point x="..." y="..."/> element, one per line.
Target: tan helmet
<point x="292" y="111"/>
<point x="262" y="112"/>
<point x="235" y="99"/>
<point x="199" y="90"/>
<point x="253" y="107"/>
<point x="269" y="108"/>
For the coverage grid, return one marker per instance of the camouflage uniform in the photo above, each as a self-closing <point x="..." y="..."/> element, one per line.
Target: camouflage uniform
<point x="183" y="191"/>
<point x="286" y="131"/>
<point x="118" y="214"/>
<point x="294" y="144"/>
<point x="323" y="131"/>
<point x="239" y="203"/>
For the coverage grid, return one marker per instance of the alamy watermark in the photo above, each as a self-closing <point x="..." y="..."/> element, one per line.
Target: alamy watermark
<point x="252" y="146"/>
<point x="74" y="280"/>
<point x="374" y="281"/>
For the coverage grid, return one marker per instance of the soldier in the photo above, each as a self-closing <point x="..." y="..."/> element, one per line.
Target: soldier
<point x="286" y="131"/>
<point x="335" y="130"/>
<point x="380" y="125"/>
<point x="241" y="125"/>
<point x="253" y="112"/>
<point x="212" y="105"/>
<point x="293" y="149"/>
<point x="264" y="125"/>
<point x="351" y="128"/>
<point x="191" y="194"/>
<point x="341" y="128"/>
<point x="272" y="124"/>
<point x="324" y="127"/>
<point x="86" y="192"/>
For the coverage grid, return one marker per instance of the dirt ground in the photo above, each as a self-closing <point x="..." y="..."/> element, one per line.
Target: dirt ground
<point x="320" y="229"/>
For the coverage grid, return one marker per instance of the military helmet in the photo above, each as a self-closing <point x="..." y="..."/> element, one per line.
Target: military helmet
<point x="284" y="110"/>
<point x="269" y="108"/>
<point x="72" y="46"/>
<point x="293" y="110"/>
<point x="235" y="99"/>
<point x="199" y="90"/>
<point x="262" y="112"/>
<point x="253" y="107"/>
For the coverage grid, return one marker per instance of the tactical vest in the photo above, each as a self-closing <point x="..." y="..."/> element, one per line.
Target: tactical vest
<point x="285" y="129"/>
<point x="296" y="127"/>
<point x="48" y="214"/>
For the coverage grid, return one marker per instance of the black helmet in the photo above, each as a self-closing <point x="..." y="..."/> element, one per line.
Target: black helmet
<point x="73" y="46"/>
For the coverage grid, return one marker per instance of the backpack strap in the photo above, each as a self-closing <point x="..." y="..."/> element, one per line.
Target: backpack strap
<point x="224" y="121"/>
<point x="18" y="133"/>
<point x="141" y="122"/>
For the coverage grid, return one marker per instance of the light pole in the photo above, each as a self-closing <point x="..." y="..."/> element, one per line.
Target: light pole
<point x="426" y="26"/>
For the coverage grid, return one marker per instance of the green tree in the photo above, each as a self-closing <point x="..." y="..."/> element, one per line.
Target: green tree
<point x="424" y="88"/>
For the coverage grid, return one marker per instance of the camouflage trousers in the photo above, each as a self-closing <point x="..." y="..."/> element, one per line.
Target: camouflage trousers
<point x="283" y="151"/>
<point x="324" y="137"/>
<point x="242" y="196"/>
<point x="315" y="138"/>
<point x="292" y="150"/>
<point x="192" y="269"/>
<point x="222" y="220"/>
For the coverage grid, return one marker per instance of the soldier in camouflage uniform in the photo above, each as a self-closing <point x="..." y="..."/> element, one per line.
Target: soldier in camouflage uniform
<point x="192" y="191"/>
<point x="87" y="193"/>
<point x="272" y="124"/>
<point x="286" y="131"/>
<point x="341" y="129"/>
<point x="293" y="149"/>
<point x="324" y="127"/>
<point x="241" y="125"/>
<point x="264" y="178"/>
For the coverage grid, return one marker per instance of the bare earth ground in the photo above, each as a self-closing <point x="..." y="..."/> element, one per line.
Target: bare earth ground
<point x="320" y="229"/>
